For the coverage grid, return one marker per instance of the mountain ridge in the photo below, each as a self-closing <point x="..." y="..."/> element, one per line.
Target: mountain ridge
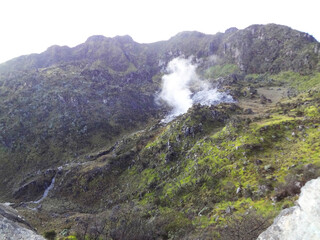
<point x="245" y="35"/>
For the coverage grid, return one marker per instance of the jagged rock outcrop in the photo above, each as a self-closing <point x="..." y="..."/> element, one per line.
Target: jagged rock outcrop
<point x="301" y="222"/>
<point x="13" y="226"/>
<point x="271" y="48"/>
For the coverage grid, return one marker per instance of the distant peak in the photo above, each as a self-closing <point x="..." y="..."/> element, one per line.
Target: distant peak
<point x="101" y="38"/>
<point x="56" y="48"/>
<point x="123" y="39"/>
<point x="96" y="38"/>
<point x="231" y="30"/>
<point x="189" y="34"/>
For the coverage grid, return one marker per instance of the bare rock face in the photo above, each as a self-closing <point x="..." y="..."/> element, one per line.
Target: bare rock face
<point x="13" y="226"/>
<point x="301" y="222"/>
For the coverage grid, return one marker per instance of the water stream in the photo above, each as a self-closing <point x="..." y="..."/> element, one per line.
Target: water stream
<point x="46" y="192"/>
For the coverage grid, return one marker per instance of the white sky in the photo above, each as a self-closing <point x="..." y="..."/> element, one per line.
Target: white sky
<point x="31" y="26"/>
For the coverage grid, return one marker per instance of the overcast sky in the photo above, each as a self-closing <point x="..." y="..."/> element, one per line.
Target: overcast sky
<point x="31" y="26"/>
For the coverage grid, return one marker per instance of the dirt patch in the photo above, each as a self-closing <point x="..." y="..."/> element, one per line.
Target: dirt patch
<point x="273" y="96"/>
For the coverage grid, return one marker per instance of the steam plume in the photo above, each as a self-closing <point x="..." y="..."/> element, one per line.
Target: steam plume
<point x="181" y="88"/>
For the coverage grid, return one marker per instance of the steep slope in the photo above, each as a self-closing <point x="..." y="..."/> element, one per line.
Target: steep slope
<point x="86" y="118"/>
<point x="65" y="102"/>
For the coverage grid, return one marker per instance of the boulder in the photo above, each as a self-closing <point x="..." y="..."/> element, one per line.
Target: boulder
<point x="248" y="111"/>
<point x="301" y="221"/>
<point x="13" y="226"/>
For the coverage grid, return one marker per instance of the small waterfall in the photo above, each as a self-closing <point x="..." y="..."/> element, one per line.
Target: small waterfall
<point x="45" y="194"/>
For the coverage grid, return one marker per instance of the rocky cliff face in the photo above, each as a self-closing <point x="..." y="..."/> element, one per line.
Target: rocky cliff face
<point x="12" y="226"/>
<point x="301" y="222"/>
<point x="272" y="48"/>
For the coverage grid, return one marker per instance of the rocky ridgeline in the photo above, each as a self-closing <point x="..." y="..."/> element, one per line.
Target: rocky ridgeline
<point x="13" y="226"/>
<point x="301" y="222"/>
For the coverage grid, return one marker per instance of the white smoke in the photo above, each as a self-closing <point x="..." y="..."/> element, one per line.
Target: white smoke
<point x="181" y="88"/>
<point x="175" y="85"/>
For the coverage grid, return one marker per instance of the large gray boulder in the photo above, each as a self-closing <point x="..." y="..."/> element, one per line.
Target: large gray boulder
<point x="14" y="227"/>
<point x="301" y="222"/>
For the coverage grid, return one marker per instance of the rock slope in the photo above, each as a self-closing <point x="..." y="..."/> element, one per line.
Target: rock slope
<point x="13" y="227"/>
